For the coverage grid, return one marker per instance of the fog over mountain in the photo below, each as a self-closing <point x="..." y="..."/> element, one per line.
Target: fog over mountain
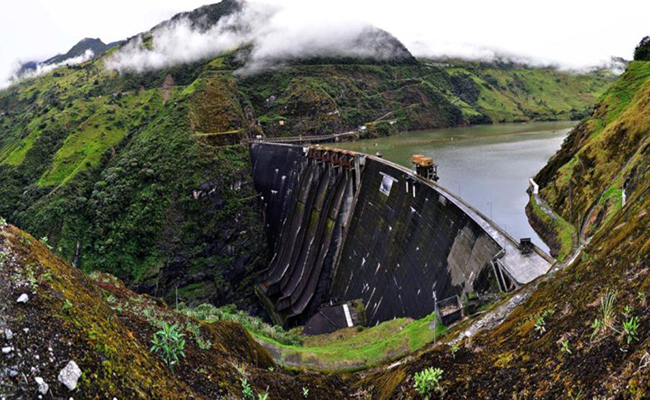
<point x="290" y="29"/>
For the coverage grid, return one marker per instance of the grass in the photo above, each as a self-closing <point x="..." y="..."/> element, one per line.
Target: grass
<point x="350" y="349"/>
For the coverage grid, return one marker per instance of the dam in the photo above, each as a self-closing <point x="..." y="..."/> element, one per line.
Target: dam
<point x="359" y="239"/>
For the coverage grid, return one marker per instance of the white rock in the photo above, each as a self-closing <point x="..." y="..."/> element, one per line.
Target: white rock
<point x="7" y="350"/>
<point x="9" y="334"/>
<point x="70" y="375"/>
<point x="42" y="386"/>
<point x="23" y="298"/>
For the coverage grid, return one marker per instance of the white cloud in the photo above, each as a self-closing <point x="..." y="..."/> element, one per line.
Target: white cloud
<point x="572" y="33"/>
<point x="275" y="33"/>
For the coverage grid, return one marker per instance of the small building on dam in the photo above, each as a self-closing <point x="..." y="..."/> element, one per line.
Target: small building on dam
<point x="358" y="239"/>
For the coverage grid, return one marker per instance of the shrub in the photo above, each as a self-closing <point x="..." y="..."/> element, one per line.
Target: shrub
<point x="428" y="381"/>
<point x="170" y="344"/>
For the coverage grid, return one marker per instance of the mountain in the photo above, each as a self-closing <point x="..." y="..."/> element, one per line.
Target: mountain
<point x="85" y="49"/>
<point x="144" y="174"/>
<point x="95" y="45"/>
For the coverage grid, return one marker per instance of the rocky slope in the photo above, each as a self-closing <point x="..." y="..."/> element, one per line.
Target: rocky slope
<point x="54" y="318"/>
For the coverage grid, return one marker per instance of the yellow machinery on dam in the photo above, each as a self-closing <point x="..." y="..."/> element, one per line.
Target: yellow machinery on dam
<point x="425" y="167"/>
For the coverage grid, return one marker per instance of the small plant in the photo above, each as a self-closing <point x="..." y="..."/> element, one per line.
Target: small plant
<point x="67" y="304"/>
<point x="540" y="325"/>
<point x="627" y="312"/>
<point x="564" y="347"/>
<point x="597" y="326"/>
<point x="170" y="344"/>
<point x="428" y="381"/>
<point x="454" y="349"/>
<point x="44" y="241"/>
<point x="305" y="392"/>
<point x="630" y="328"/>
<point x="607" y="317"/>
<point x="607" y="309"/>
<point x="264" y="396"/>
<point x="3" y="222"/>
<point x="246" y="390"/>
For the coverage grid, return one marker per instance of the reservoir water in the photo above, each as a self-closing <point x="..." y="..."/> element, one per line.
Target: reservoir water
<point x="487" y="165"/>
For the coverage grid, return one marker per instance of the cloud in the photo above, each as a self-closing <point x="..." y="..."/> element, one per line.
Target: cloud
<point x="274" y="33"/>
<point x="42" y="68"/>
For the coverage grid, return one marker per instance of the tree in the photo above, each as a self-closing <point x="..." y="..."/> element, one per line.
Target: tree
<point x="642" y="51"/>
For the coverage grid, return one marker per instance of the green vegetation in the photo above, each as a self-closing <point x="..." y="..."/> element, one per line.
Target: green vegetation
<point x="254" y="325"/>
<point x="558" y="232"/>
<point x="428" y="381"/>
<point x="246" y="390"/>
<point x="631" y="328"/>
<point x="170" y="344"/>
<point x="607" y="316"/>
<point x="350" y="349"/>
<point x="564" y="347"/>
<point x="642" y="50"/>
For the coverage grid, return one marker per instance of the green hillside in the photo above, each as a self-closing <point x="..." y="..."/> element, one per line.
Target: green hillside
<point x="143" y="175"/>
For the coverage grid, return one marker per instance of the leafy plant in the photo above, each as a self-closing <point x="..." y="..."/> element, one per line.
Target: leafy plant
<point x="246" y="390"/>
<point x="627" y="312"/>
<point x="540" y="325"/>
<point x="454" y="349"/>
<point x="305" y="392"/>
<point x="3" y="222"/>
<point x="170" y="344"/>
<point x="44" y="241"/>
<point x="428" y="381"/>
<point x="564" y="347"/>
<point x="631" y="327"/>
<point x="264" y="396"/>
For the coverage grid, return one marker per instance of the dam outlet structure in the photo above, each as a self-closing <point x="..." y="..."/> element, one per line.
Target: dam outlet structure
<point x="357" y="239"/>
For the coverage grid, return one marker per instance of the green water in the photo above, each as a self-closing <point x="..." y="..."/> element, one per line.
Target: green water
<point x="487" y="165"/>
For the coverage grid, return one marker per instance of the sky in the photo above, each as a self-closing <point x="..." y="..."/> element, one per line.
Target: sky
<point x="573" y="34"/>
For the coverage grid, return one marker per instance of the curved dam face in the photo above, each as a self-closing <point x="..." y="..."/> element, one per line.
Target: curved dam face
<point x="349" y="229"/>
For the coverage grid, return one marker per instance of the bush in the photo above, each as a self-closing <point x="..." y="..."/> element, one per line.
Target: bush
<point x="170" y="344"/>
<point x="642" y="50"/>
<point x="428" y="381"/>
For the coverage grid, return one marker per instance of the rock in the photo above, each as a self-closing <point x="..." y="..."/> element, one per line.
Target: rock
<point x="70" y="375"/>
<point x="9" y="334"/>
<point x="42" y="386"/>
<point x="7" y="350"/>
<point x="23" y="298"/>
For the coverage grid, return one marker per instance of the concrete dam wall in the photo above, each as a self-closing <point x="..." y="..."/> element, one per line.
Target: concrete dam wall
<point x="346" y="227"/>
